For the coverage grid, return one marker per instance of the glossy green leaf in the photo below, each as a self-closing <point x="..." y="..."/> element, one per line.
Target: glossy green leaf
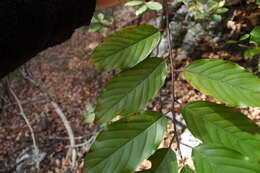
<point x="131" y="90"/>
<point x="124" y="144"/>
<point x="154" y="5"/>
<point x="186" y="169"/>
<point x="163" y="161"/>
<point x="224" y="80"/>
<point x="221" y="10"/>
<point x="218" y="159"/>
<point x="255" y="36"/>
<point x="94" y="27"/>
<point x="126" y="48"/>
<point x="212" y="5"/>
<point x="215" y="123"/>
<point x="244" y="37"/>
<point x="133" y="3"/>
<point x="141" y="10"/>
<point x="216" y="17"/>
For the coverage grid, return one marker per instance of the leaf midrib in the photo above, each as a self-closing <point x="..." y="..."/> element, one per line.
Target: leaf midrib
<point x="233" y="135"/>
<point x="210" y="161"/>
<point x="201" y="75"/>
<point x="134" y="88"/>
<point x="129" y="46"/>
<point x="130" y="140"/>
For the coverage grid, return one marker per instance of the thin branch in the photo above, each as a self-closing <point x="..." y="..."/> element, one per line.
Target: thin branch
<point x="65" y="138"/>
<point x="23" y="115"/>
<point x="39" y="84"/>
<point x="87" y="142"/>
<point x="186" y="145"/>
<point x="35" y="99"/>
<point x="169" y="36"/>
<point x="36" y="149"/>
<point x="69" y="130"/>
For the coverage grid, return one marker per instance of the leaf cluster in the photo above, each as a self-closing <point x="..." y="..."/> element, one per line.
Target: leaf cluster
<point x="144" y="6"/>
<point x="99" y="23"/>
<point x="254" y="39"/>
<point x="231" y="141"/>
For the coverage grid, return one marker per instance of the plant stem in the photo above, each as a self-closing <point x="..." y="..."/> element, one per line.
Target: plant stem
<point x="169" y="37"/>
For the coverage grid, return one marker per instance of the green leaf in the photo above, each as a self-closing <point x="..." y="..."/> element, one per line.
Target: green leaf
<point x="250" y="53"/>
<point x="124" y="144"/>
<point x="221" y="10"/>
<point x="163" y="161"/>
<point x="255" y="36"/>
<point x="217" y="159"/>
<point x="107" y="22"/>
<point x="101" y="17"/>
<point x="89" y="117"/>
<point x="103" y="30"/>
<point x="215" y="123"/>
<point x="154" y="5"/>
<point x="224" y="80"/>
<point x="141" y="10"/>
<point x="94" y="27"/>
<point x="212" y="5"/>
<point x="134" y="3"/>
<point x="186" y="169"/>
<point x="131" y="90"/>
<point x="216" y="17"/>
<point x="94" y="20"/>
<point x="89" y="108"/>
<point x="126" y="48"/>
<point x="244" y="37"/>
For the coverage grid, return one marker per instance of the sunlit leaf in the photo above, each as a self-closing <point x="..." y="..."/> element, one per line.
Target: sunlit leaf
<point x="89" y="117"/>
<point x="221" y="10"/>
<point x="94" y="27"/>
<point x="141" y="10"/>
<point x="133" y="3"/>
<point x="163" y="161"/>
<point x="216" y="17"/>
<point x="101" y="16"/>
<point x="217" y="159"/>
<point x="244" y="37"/>
<point x="126" y="48"/>
<point x="131" y="90"/>
<point x="154" y="5"/>
<point x="89" y="108"/>
<point x="224" y="80"/>
<point x="124" y="144"/>
<point x="255" y="35"/>
<point x="215" y="123"/>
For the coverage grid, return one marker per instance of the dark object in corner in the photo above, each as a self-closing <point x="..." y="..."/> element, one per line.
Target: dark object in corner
<point x="30" y="26"/>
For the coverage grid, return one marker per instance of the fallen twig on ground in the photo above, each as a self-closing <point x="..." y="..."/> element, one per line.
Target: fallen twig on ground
<point x="39" y="84"/>
<point x="36" y="151"/>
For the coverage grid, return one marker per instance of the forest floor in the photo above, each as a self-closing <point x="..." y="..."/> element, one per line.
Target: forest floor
<point x="73" y="82"/>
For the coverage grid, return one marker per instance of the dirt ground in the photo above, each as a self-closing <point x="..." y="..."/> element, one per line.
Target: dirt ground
<point x="73" y="82"/>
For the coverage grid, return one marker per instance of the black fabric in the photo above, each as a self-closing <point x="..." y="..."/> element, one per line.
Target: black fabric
<point x="30" y="26"/>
